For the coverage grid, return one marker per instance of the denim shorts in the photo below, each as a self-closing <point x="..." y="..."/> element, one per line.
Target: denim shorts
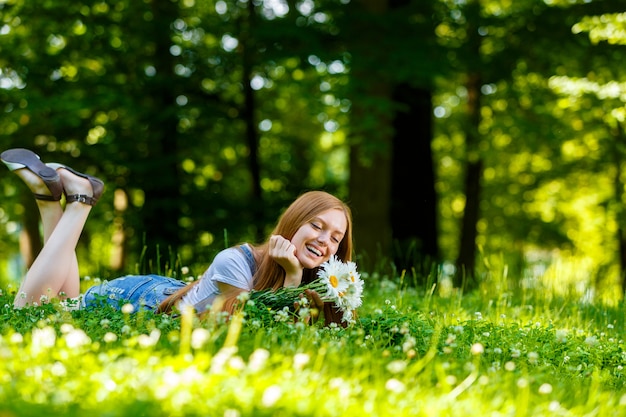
<point x="142" y="291"/>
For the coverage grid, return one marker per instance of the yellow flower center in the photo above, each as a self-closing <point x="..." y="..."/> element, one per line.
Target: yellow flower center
<point x="333" y="281"/>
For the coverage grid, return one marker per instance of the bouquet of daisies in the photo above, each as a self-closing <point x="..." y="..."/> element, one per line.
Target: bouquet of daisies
<point x="338" y="282"/>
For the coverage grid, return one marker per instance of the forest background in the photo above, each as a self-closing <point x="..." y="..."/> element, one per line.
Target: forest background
<point x="466" y="135"/>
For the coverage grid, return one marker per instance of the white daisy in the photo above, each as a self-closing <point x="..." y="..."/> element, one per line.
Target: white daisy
<point x="333" y="274"/>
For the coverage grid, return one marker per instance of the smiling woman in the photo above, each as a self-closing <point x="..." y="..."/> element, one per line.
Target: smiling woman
<point x="314" y="228"/>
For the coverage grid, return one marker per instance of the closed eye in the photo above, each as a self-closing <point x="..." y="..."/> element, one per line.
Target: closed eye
<point x="336" y="239"/>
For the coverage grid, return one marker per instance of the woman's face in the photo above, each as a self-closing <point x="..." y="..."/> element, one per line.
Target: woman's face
<point x="317" y="240"/>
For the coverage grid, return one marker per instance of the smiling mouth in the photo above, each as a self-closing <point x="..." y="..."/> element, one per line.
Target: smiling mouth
<point x="313" y="251"/>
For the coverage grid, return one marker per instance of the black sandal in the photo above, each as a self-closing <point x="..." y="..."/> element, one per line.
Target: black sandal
<point x="19" y="158"/>
<point x="96" y="185"/>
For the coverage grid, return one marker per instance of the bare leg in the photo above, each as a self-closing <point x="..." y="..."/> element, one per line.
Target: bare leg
<point x="54" y="273"/>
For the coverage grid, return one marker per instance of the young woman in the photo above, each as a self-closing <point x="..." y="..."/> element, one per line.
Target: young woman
<point x="314" y="227"/>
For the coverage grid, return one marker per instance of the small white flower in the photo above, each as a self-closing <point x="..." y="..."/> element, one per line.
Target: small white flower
<point x="236" y="363"/>
<point x="16" y="338"/>
<point x="128" y="308"/>
<point x="199" y="337"/>
<point x="66" y="328"/>
<point x="258" y="358"/>
<point x="304" y="313"/>
<point x="58" y="369"/>
<point x="408" y="344"/>
<point x="394" y="385"/>
<point x="522" y="383"/>
<point x="76" y="338"/>
<point x="271" y="395"/>
<point x="243" y="296"/>
<point x="282" y="316"/>
<point x="477" y="349"/>
<point x="109" y="337"/>
<point x="561" y="336"/>
<point x="396" y="366"/>
<point x="545" y="389"/>
<point x="300" y="360"/>
<point x="43" y="339"/>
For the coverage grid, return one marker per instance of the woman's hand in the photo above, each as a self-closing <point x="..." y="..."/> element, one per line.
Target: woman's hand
<point x="284" y="253"/>
<point x="314" y="303"/>
<point x="317" y="307"/>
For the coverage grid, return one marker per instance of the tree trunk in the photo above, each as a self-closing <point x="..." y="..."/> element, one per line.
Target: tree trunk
<point x="370" y="195"/>
<point x="162" y="207"/>
<point x="466" y="261"/>
<point x="370" y="159"/>
<point x="413" y="196"/>
<point x="249" y="110"/>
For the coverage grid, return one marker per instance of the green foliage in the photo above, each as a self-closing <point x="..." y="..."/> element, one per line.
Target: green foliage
<point x="150" y="96"/>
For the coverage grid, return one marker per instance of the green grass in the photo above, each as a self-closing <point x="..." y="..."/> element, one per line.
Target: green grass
<point x="412" y="352"/>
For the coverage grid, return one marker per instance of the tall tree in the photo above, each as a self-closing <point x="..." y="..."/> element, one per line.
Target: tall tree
<point x="371" y="144"/>
<point x="159" y="157"/>
<point x="414" y="201"/>
<point x="413" y="198"/>
<point x="466" y="260"/>
<point x="391" y="160"/>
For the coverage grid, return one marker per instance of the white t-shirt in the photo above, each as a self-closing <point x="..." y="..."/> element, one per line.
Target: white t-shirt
<point x="229" y="266"/>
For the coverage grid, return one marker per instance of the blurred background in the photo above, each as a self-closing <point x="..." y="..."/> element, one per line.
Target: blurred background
<point x="470" y="138"/>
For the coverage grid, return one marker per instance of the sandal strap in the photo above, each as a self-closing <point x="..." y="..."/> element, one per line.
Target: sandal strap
<point x="81" y="198"/>
<point x="45" y="197"/>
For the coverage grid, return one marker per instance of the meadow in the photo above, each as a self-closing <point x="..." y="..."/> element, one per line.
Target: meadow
<point x="502" y="350"/>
